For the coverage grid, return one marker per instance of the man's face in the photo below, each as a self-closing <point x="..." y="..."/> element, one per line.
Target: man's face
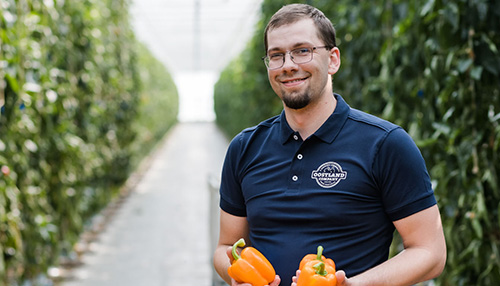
<point x="300" y="84"/>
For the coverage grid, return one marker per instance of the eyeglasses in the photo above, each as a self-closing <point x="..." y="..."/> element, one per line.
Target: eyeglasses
<point x="304" y="55"/>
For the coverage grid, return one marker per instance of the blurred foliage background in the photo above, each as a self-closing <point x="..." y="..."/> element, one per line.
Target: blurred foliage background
<point x="432" y="67"/>
<point x="82" y="103"/>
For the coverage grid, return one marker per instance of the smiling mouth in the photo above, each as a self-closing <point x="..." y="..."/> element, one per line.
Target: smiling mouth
<point x="292" y="81"/>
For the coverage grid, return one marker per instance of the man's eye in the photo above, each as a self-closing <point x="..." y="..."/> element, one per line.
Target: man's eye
<point x="301" y="51"/>
<point x="276" y="56"/>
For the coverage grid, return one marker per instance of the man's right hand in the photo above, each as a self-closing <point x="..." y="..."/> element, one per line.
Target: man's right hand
<point x="276" y="282"/>
<point x="229" y="250"/>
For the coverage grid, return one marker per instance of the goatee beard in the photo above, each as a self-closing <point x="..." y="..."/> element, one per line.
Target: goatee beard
<point x="298" y="101"/>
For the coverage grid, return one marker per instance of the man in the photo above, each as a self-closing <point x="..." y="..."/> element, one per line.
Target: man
<point x="322" y="173"/>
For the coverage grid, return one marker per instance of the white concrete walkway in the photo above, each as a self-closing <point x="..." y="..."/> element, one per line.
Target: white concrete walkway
<point x="161" y="234"/>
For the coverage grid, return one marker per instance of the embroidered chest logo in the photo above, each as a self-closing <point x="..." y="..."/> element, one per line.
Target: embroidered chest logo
<point x="329" y="174"/>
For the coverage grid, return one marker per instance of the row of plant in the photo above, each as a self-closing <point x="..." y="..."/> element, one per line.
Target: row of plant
<point x="81" y="104"/>
<point x="433" y="68"/>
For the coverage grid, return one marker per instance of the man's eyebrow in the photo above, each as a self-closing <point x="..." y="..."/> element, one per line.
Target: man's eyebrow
<point x="274" y="49"/>
<point x="302" y="44"/>
<point x="296" y="45"/>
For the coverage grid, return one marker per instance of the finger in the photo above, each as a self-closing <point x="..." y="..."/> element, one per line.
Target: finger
<point x="341" y="278"/>
<point x="234" y="283"/>
<point x="276" y="282"/>
<point x="229" y="253"/>
<point x="296" y="277"/>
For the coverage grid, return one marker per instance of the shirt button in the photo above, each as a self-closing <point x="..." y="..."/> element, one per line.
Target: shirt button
<point x="300" y="156"/>
<point x="295" y="178"/>
<point x="295" y="137"/>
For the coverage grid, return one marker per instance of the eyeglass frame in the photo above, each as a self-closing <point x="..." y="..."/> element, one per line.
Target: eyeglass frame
<point x="266" y="58"/>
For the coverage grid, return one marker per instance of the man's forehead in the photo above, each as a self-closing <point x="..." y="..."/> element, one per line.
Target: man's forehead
<point x="307" y="22"/>
<point x="302" y="32"/>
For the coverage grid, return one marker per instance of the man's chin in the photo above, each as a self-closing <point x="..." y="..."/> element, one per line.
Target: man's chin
<point x="296" y="104"/>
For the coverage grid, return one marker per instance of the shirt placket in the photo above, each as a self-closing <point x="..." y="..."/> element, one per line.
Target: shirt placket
<point x="296" y="170"/>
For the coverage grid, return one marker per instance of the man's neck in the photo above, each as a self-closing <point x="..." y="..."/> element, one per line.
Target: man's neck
<point x="309" y="119"/>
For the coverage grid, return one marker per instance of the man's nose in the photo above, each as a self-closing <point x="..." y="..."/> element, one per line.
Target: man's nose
<point x="288" y="61"/>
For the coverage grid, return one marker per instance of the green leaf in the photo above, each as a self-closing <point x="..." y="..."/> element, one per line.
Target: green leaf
<point x="498" y="216"/>
<point x="478" y="229"/>
<point x="463" y="65"/>
<point x="428" y="6"/>
<point x="442" y="128"/>
<point x="12" y="82"/>
<point x="452" y="15"/>
<point x="480" y="205"/>
<point x="491" y="45"/>
<point x="476" y="72"/>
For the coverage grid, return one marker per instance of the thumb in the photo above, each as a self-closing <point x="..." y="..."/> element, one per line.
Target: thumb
<point x="229" y="252"/>
<point x="341" y="278"/>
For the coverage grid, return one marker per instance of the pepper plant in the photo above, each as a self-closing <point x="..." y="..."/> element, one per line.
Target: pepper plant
<point x="75" y="89"/>
<point x="431" y="67"/>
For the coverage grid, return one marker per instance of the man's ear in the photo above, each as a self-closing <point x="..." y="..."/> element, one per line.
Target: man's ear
<point x="334" y="61"/>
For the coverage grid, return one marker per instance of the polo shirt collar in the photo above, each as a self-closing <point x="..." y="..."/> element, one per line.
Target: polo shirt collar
<point x="328" y="131"/>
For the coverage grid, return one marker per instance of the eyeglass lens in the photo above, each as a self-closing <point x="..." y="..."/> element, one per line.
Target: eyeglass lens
<point x="298" y="56"/>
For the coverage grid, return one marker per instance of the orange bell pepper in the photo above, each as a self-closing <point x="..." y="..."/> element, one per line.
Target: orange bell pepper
<point x="316" y="270"/>
<point x="319" y="256"/>
<point x="251" y="266"/>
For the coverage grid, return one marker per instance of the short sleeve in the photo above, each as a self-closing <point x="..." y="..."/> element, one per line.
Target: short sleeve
<point x="402" y="176"/>
<point x="231" y="196"/>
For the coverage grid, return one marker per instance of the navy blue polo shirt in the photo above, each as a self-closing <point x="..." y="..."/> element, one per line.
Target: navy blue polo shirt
<point x="341" y="188"/>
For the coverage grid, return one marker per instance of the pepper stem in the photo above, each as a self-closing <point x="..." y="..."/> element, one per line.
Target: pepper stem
<point x="239" y="243"/>
<point x="320" y="269"/>
<point x="320" y="253"/>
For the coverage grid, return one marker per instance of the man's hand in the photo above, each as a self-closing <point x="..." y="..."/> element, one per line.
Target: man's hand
<point x="295" y="278"/>
<point x="341" y="278"/>
<point x="276" y="281"/>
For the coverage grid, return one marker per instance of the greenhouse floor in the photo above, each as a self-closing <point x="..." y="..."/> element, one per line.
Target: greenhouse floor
<point x="163" y="232"/>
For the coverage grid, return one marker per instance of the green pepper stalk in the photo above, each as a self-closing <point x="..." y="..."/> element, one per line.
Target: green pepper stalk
<point x="239" y="243"/>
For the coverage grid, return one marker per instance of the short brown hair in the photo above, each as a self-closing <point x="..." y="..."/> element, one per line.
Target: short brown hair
<point x="294" y="12"/>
